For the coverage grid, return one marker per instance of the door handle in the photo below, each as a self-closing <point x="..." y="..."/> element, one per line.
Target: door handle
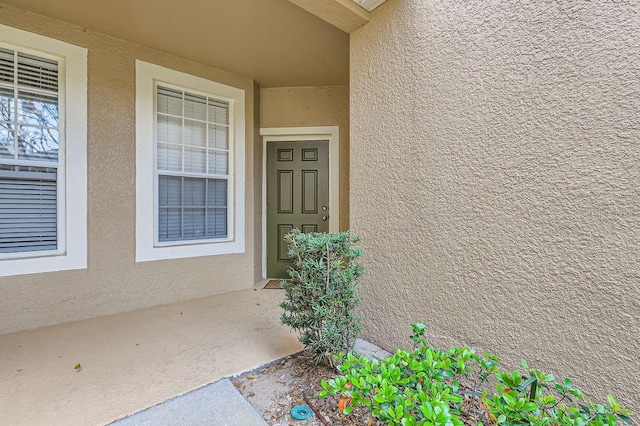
<point x="325" y="217"/>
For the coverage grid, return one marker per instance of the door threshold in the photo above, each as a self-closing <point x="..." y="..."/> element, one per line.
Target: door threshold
<point x="274" y="284"/>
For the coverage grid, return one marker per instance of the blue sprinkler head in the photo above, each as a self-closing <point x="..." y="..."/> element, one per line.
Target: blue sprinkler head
<point x="301" y="412"/>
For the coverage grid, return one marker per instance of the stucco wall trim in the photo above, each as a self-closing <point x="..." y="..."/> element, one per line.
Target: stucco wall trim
<point x="72" y="163"/>
<point x="274" y="134"/>
<point x="147" y="247"/>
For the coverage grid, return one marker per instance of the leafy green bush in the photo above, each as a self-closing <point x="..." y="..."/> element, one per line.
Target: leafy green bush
<point x="321" y="294"/>
<point x="428" y="386"/>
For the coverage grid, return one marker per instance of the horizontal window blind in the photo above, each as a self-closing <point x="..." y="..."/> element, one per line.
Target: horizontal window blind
<point x="192" y="208"/>
<point x="29" y="145"/>
<point x="7" y="66"/>
<point x="37" y="72"/>
<point x="192" y="163"/>
<point x="28" y="211"/>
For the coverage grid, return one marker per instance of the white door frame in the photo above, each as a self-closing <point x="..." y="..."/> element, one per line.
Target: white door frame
<point x="277" y="134"/>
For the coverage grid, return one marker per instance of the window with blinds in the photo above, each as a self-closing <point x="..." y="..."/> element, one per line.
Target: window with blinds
<point x="29" y="144"/>
<point x="192" y="166"/>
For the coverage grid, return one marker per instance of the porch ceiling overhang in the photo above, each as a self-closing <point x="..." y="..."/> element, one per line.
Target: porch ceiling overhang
<point x="344" y="14"/>
<point x="274" y="42"/>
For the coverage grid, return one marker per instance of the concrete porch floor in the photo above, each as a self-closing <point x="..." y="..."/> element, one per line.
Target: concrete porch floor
<point x="133" y="360"/>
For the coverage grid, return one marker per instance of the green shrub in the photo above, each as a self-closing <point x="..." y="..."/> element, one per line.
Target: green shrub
<point x="321" y="294"/>
<point x="428" y="386"/>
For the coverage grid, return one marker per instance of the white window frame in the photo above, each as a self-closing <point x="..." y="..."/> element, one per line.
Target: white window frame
<point x="72" y="156"/>
<point x="148" y="76"/>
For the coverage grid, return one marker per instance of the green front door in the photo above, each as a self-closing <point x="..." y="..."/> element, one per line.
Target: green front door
<point x="297" y="196"/>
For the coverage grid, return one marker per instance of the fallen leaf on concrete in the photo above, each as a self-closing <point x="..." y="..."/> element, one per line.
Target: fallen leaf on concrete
<point x="78" y="368"/>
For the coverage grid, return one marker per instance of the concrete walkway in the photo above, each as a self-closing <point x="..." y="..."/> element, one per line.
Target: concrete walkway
<point x="217" y="404"/>
<point x="135" y="360"/>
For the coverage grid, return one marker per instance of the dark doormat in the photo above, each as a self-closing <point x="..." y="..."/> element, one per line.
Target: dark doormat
<point x="274" y="285"/>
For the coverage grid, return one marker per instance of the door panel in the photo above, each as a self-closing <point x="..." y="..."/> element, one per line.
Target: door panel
<point x="310" y="191"/>
<point x="285" y="191"/>
<point x="283" y="229"/>
<point x="297" y="196"/>
<point x="307" y="228"/>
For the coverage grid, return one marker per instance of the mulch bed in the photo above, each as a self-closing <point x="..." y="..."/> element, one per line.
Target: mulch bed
<point x="275" y="389"/>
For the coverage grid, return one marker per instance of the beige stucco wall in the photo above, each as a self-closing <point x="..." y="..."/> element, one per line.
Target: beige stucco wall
<point x="308" y="107"/>
<point x="495" y="175"/>
<point x="113" y="281"/>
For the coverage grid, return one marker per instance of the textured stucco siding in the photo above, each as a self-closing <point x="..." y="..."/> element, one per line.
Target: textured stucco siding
<point x="113" y="281"/>
<point x="495" y="180"/>
<point x="310" y="107"/>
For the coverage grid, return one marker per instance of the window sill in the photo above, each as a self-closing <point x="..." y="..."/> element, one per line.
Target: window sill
<point x="186" y="250"/>
<point x="36" y="265"/>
